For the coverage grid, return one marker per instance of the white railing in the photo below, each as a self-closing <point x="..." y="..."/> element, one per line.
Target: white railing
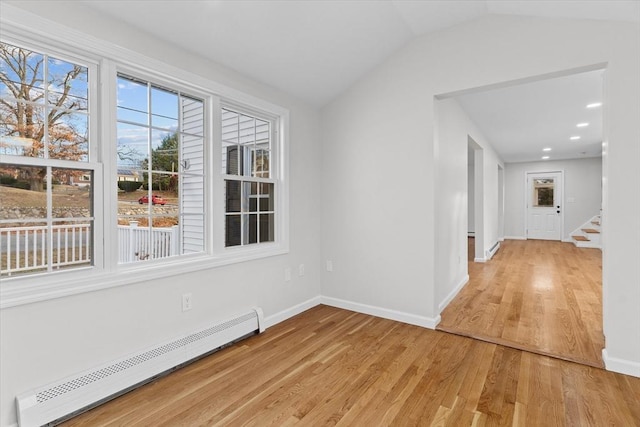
<point x="139" y="243"/>
<point x="25" y="248"/>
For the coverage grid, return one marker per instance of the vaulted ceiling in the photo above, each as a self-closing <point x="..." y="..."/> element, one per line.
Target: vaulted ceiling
<point x="315" y="50"/>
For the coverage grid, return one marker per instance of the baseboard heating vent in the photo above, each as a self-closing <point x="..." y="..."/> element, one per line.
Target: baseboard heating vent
<point x="52" y="402"/>
<point x="491" y="252"/>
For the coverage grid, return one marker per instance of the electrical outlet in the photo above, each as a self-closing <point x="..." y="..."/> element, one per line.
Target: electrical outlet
<point x="186" y="302"/>
<point x="287" y="274"/>
<point x="301" y="270"/>
<point x="329" y="265"/>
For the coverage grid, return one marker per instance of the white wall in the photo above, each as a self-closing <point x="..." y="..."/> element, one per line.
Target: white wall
<point x="454" y="127"/>
<point x="582" y="183"/>
<point x="47" y="341"/>
<point x="501" y="202"/>
<point x="470" y="199"/>
<point x="380" y="210"/>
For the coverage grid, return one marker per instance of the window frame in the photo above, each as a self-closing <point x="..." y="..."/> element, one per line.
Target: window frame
<point x="188" y="91"/>
<point x="279" y="167"/>
<point x="92" y="164"/>
<point x="69" y="44"/>
<point x="274" y="161"/>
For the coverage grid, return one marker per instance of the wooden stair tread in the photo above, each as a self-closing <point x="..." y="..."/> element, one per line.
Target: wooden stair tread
<point x="580" y="238"/>
<point x="590" y="230"/>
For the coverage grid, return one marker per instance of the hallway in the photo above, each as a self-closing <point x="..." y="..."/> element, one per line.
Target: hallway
<point x="535" y="295"/>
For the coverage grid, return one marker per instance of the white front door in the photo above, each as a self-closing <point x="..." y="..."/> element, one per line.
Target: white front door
<point x="544" y="206"/>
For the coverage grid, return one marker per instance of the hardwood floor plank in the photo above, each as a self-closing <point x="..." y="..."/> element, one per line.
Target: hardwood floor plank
<point x="328" y="366"/>
<point x="539" y="296"/>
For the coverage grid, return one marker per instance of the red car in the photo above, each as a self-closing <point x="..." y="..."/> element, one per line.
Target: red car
<point x="156" y="200"/>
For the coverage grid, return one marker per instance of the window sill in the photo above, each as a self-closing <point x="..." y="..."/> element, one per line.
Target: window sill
<point x="30" y="289"/>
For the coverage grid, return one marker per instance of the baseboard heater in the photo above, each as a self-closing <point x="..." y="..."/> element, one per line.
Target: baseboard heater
<point x="491" y="252"/>
<point x="56" y="402"/>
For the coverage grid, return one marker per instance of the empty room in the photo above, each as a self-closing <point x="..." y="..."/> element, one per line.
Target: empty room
<point x="204" y="213"/>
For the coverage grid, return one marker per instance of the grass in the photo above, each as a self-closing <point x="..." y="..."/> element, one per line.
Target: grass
<point x="63" y="195"/>
<point x="72" y="196"/>
<point x="68" y="196"/>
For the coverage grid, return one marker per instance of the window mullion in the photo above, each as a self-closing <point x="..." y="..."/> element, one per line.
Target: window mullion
<point x="49" y="230"/>
<point x="181" y="169"/>
<point x="149" y="174"/>
<point x="243" y="217"/>
<point x="45" y="83"/>
<point x="215" y="203"/>
<point x="104" y="86"/>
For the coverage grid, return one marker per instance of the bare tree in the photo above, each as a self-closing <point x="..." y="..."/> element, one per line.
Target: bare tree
<point x="33" y="121"/>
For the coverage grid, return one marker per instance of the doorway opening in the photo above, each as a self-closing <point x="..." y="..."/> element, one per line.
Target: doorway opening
<point x="475" y="191"/>
<point x="539" y="293"/>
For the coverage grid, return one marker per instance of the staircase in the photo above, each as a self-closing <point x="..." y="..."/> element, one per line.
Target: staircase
<point x="588" y="234"/>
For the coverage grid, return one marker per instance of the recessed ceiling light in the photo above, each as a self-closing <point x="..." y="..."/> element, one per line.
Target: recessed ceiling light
<point x="594" y="105"/>
<point x="546" y="149"/>
<point x="582" y="125"/>
<point x="545" y="157"/>
<point x="573" y="138"/>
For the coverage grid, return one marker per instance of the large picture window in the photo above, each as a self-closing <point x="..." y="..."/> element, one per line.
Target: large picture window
<point x="46" y="168"/>
<point x="68" y="224"/>
<point x="161" y="170"/>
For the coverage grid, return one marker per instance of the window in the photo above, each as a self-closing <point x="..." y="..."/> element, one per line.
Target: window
<point x="68" y="225"/>
<point x="161" y="170"/>
<point x="47" y="219"/>
<point x="249" y="185"/>
<point x="543" y="192"/>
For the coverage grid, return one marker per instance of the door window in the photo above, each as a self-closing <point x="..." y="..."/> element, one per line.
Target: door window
<point x="543" y="190"/>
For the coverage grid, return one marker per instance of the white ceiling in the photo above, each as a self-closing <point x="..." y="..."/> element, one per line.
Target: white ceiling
<point x="522" y="120"/>
<point x="315" y="50"/>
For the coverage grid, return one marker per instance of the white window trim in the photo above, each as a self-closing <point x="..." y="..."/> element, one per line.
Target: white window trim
<point x="26" y="29"/>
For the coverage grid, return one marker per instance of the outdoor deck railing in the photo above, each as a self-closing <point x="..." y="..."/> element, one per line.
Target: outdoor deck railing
<point x="25" y="249"/>
<point x="139" y="243"/>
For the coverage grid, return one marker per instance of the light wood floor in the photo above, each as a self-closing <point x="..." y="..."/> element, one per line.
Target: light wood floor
<point x="534" y="295"/>
<point x="334" y="367"/>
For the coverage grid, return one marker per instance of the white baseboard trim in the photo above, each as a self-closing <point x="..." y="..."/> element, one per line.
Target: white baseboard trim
<point x="620" y="366"/>
<point x="567" y="240"/>
<point x="453" y="293"/>
<point x="515" y="238"/>
<point x="479" y="260"/>
<point x="385" y="313"/>
<point x="291" y="311"/>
